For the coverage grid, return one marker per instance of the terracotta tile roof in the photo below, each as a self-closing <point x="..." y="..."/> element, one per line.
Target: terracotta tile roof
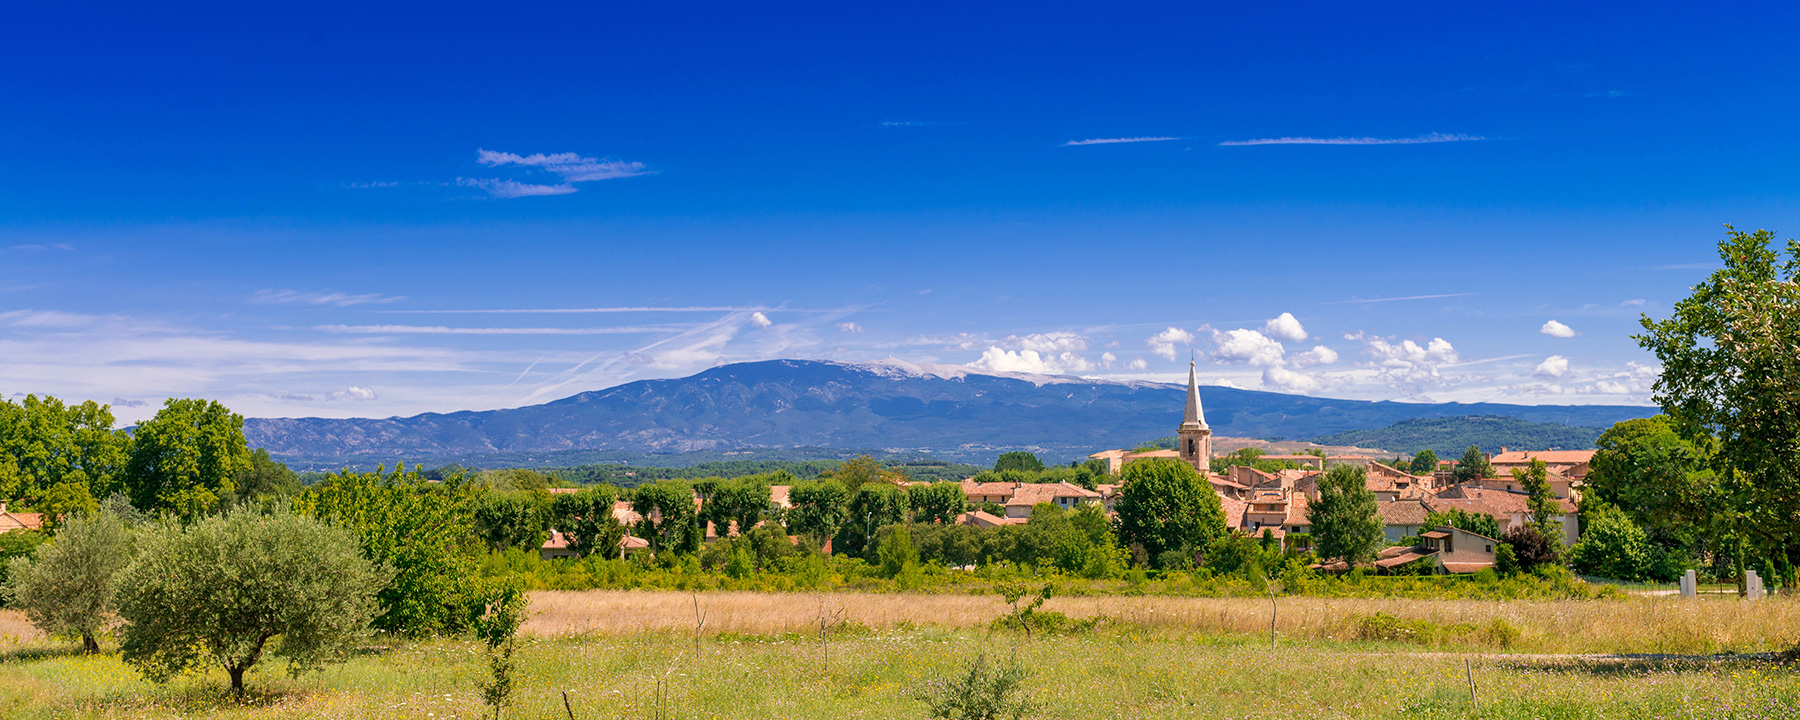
<point x="1297" y="510"/>
<point x="624" y="514"/>
<point x="556" y="541"/>
<point x="1550" y="457"/>
<point x="1234" y="512"/>
<point x="1405" y="556"/>
<point x="1403" y="512"/>
<point x="1498" y="503"/>
<point x="1152" y="454"/>
<point x="10" y="521"/>
<point x="778" y="496"/>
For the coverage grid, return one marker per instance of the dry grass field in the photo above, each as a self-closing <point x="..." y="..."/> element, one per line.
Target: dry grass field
<point x="1161" y="657"/>
<point x="1635" y="625"/>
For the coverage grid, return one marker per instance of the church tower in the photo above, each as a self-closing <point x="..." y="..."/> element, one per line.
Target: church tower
<point x="1196" y="437"/>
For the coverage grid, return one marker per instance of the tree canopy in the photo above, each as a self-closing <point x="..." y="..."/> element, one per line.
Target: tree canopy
<point x="187" y="458"/>
<point x="69" y="587"/>
<point x="45" y="443"/>
<point x="1165" y="506"/>
<point x="1346" y="523"/>
<point x="1731" y="375"/>
<point x="1473" y="466"/>
<point x="230" y="588"/>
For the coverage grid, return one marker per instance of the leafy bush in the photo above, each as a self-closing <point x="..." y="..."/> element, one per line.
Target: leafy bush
<point x="982" y="693"/>
<point x="69" y="587"/>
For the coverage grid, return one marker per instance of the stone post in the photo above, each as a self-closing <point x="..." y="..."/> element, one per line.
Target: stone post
<point x="1689" y="586"/>
<point x="1752" y="585"/>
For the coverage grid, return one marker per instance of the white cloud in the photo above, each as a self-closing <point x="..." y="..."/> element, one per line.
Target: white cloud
<point x="1409" y="366"/>
<point x="1429" y="138"/>
<point x="1276" y="377"/>
<point x="1163" y="343"/>
<point x="1556" y="329"/>
<point x="509" y="189"/>
<point x="47" y="319"/>
<point x="1285" y="327"/>
<point x="760" y="320"/>
<point x="1112" y="141"/>
<point x="849" y="327"/>
<point x="1554" y="366"/>
<point x="572" y="167"/>
<point x="1248" y="346"/>
<point x="1061" y="341"/>
<point x="354" y="394"/>
<point x="1319" y="355"/>
<point x="1107" y="359"/>
<point x="1031" y="361"/>
<point x="1138" y="364"/>
<point x="336" y="299"/>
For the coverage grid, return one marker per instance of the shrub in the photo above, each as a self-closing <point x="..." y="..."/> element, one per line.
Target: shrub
<point x="227" y="587"/>
<point x="982" y="693"/>
<point x="1532" y="548"/>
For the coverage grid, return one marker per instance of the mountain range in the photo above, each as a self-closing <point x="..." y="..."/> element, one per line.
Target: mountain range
<point x="946" y="409"/>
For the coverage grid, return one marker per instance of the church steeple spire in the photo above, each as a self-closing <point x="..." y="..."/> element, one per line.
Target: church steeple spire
<point x="1195" y="436"/>
<point x="1194" y="417"/>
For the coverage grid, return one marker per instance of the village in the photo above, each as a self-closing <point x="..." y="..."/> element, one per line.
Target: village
<point x="1256" y="503"/>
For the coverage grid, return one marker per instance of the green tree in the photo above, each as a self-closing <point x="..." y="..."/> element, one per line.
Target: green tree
<point x="859" y="471"/>
<point x="265" y="477"/>
<point x="817" y="509"/>
<point x="1662" y="480"/>
<point x="68" y="589"/>
<point x="737" y="502"/>
<point x="1424" y="462"/>
<point x="587" y="522"/>
<point x="896" y="553"/>
<point x="1346" y="522"/>
<point x="1473" y="466"/>
<point x="1165" y="507"/>
<point x="510" y="519"/>
<point x="1539" y="499"/>
<point x="1020" y="460"/>
<point x="187" y="458"/>
<point x="1613" y="547"/>
<point x="669" y="517"/>
<point x="938" y="502"/>
<point x="65" y="499"/>
<point x="515" y="479"/>
<point x="1731" y="375"/>
<point x="504" y="605"/>
<point x="872" y="507"/>
<point x="420" y="530"/>
<point x="44" y="443"/>
<point x="230" y="588"/>
<point x="17" y="544"/>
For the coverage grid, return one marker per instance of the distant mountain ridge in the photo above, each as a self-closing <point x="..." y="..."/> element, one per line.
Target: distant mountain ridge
<point x="1449" y="436"/>
<point x="891" y="404"/>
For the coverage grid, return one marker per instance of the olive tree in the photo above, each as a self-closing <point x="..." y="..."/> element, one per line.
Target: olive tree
<point x="68" y="589"/>
<point x="229" y="588"/>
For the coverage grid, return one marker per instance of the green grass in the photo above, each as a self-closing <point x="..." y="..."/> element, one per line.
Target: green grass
<point x="1122" y="673"/>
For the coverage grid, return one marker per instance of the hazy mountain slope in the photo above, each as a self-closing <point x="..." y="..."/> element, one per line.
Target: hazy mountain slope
<point x="1449" y="436"/>
<point x="796" y="403"/>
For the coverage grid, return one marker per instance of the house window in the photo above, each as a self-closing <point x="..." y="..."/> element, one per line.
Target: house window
<point x="1487" y="548"/>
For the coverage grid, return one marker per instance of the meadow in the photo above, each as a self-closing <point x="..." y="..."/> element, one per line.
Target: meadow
<point x="760" y="655"/>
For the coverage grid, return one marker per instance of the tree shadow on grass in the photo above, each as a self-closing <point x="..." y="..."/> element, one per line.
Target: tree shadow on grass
<point x="31" y="654"/>
<point x="1638" y="665"/>
<point x="200" y="697"/>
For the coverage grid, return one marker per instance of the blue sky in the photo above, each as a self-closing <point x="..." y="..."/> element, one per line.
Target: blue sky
<point x="297" y="209"/>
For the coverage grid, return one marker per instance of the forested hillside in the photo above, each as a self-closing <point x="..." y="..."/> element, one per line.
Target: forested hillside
<point x="1449" y="436"/>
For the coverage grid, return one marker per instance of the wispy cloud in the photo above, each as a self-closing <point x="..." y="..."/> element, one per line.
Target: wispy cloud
<point x="1359" y="301"/>
<point x="1111" y="141"/>
<point x="1422" y="139"/>
<point x="442" y="330"/>
<point x="508" y="189"/>
<point x="916" y="123"/>
<point x="570" y="168"/>
<point x="337" y="299"/>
